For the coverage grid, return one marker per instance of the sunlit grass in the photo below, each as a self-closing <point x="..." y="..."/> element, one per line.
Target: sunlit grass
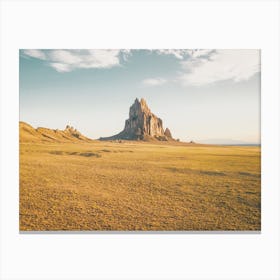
<point x="139" y="186"/>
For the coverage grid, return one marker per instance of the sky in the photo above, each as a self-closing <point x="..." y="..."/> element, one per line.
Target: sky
<point x="202" y="95"/>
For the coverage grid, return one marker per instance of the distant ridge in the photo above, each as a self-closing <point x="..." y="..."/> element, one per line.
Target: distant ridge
<point x="142" y="124"/>
<point x="27" y="133"/>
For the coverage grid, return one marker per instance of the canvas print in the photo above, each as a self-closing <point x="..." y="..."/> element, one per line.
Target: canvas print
<point x="139" y="140"/>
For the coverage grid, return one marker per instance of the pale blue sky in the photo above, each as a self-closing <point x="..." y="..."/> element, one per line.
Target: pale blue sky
<point x="211" y="95"/>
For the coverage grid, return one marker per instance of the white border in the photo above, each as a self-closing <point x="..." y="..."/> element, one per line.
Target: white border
<point x="157" y="24"/>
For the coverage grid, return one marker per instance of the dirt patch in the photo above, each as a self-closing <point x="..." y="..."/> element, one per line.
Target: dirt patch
<point x="84" y="154"/>
<point x="249" y="174"/>
<point x="89" y="154"/>
<point x="212" y="173"/>
<point x="199" y="172"/>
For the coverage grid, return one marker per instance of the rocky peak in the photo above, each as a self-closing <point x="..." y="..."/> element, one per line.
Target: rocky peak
<point x="167" y="133"/>
<point x="142" y="124"/>
<point x="138" y="107"/>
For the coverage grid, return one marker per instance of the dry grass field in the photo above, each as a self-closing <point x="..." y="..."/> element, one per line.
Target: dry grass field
<point x="139" y="186"/>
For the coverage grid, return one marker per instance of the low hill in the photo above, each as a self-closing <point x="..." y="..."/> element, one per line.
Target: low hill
<point x="27" y="133"/>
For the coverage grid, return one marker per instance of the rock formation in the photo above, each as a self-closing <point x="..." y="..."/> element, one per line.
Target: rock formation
<point x="167" y="133"/>
<point x="28" y="133"/>
<point x="142" y="124"/>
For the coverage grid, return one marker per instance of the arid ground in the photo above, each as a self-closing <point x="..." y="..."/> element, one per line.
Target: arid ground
<point x="139" y="186"/>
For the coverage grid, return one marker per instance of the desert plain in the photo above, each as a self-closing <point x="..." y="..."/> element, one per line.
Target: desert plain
<point x="139" y="186"/>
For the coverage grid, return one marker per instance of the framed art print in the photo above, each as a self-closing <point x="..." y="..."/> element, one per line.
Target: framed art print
<point x="84" y="167"/>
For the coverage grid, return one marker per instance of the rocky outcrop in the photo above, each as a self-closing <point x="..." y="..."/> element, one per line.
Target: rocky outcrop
<point x="73" y="132"/>
<point x="142" y="124"/>
<point x="167" y="133"/>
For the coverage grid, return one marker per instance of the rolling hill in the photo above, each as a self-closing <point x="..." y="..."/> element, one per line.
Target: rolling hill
<point x="27" y="133"/>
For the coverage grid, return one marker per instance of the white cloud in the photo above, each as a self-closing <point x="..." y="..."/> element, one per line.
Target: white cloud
<point x="61" y="67"/>
<point x="68" y="60"/>
<point x="154" y="82"/>
<point x="208" y="67"/>
<point x="178" y="53"/>
<point x="184" y="53"/>
<point x="125" y="54"/>
<point x="199" y="52"/>
<point x="35" y="53"/>
<point x="65" y="56"/>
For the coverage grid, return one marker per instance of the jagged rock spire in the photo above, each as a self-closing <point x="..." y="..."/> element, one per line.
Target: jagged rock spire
<point x="142" y="124"/>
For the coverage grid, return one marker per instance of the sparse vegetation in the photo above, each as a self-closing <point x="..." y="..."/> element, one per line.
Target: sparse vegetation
<point x="139" y="186"/>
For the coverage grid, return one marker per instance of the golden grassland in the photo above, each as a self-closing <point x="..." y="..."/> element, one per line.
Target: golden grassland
<point x="139" y="186"/>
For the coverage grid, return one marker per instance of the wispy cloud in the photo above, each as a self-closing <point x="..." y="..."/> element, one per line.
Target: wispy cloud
<point x="69" y="60"/>
<point x="197" y="67"/>
<point x="154" y="82"/>
<point x="183" y="54"/>
<point x="198" y="53"/>
<point x="35" y="53"/>
<point x="201" y="67"/>
<point x="211" y="66"/>
<point x="177" y="53"/>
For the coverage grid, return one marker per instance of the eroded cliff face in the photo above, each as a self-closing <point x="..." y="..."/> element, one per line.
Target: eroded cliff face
<point x="142" y="121"/>
<point x="142" y="124"/>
